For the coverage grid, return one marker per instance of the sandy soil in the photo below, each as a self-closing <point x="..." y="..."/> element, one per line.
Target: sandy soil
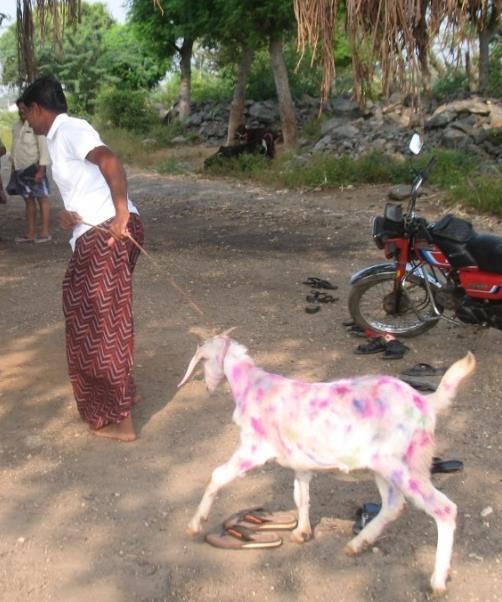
<point x="88" y="519"/>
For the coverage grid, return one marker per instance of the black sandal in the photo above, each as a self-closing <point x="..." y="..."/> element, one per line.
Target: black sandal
<point x="319" y="283"/>
<point x="376" y="345"/>
<point x="395" y="350"/>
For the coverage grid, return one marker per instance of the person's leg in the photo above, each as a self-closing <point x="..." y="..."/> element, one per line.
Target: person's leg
<point x="43" y="203"/>
<point x="31" y="214"/>
<point x="98" y="307"/>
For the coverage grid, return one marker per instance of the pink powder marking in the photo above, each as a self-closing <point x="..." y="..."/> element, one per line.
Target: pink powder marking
<point x="245" y="465"/>
<point x="236" y="373"/>
<point x="341" y="389"/>
<point x="258" y="427"/>
<point x="409" y="452"/>
<point x="442" y="513"/>
<point x="413" y="485"/>
<point x="419" y="402"/>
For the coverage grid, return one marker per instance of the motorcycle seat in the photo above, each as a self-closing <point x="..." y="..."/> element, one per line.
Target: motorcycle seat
<point x="487" y="251"/>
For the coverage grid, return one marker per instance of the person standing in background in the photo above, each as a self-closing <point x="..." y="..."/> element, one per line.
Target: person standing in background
<point x="3" y="198"/>
<point x="30" y="159"/>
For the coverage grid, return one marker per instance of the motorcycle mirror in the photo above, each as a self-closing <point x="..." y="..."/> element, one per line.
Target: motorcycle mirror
<point x="416" y="144"/>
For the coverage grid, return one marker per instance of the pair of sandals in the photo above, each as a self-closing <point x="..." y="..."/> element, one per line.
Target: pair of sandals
<point x="392" y="350"/>
<point x="422" y="376"/>
<point x="317" y="296"/>
<point x="252" y="529"/>
<point x="368" y="511"/>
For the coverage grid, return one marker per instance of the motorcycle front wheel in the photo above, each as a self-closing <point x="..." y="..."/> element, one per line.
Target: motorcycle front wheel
<point x="372" y="305"/>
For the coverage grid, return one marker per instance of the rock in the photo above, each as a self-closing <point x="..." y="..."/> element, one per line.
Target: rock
<point x="345" y="131"/>
<point x="454" y="138"/>
<point x="179" y="140"/>
<point x="400" y="193"/>
<point x="441" y="118"/>
<point x="486" y="511"/>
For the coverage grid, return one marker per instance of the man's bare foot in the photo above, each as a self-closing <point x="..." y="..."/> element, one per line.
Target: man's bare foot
<point x="123" y="431"/>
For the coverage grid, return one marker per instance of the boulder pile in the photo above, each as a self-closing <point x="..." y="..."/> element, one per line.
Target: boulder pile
<point x="473" y="125"/>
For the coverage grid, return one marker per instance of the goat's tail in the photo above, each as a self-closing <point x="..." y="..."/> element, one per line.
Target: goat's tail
<point x="450" y="382"/>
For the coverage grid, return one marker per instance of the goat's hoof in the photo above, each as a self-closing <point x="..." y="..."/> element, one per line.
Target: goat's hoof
<point x="349" y="550"/>
<point x="192" y="531"/>
<point x="300" y="536"/>
<point x="438" y="592"/>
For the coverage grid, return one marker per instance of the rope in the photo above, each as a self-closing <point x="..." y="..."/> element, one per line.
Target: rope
<point x="170" y="278"/>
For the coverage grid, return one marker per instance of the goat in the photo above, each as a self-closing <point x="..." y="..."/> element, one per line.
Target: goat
<point x="368" y="422"/>
<point x="264" y="146"/>
<point x="257" y="135"/>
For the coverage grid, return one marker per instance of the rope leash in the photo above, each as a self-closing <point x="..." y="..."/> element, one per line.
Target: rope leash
<point x="170" y="278"/>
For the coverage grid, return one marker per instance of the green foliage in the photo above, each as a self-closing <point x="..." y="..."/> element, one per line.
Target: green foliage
<point x="495" y="70"/>
<point x="450" y="84"/>
<point x="7" y="120"/>
<point x="96" y="54"/>
<point x="126" y="109"/>
<point x="484" y="193"/>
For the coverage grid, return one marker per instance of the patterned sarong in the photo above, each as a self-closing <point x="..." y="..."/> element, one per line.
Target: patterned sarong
<point x="97" y="304"/>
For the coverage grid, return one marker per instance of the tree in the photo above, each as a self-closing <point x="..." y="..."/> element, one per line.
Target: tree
<point x="396" y="33"/>
<point x="169" y="28"/>
<point x="485" y="16"/>
<point x="97" y="53"/>
<point x="62" y="13"/>
<point x="245" y="27"/>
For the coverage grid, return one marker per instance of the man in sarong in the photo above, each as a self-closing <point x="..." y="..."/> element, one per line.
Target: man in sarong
<point x="30" y="160"/>
<point x="97" y="287"/>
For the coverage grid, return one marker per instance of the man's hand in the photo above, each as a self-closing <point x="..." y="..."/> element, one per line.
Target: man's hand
<point x="118" y="227"/>
<point x="39" y="174"/>
<point x="68" y="219"/>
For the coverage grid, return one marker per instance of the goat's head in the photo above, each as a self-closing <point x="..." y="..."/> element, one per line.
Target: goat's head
<point x="213" y="353"/>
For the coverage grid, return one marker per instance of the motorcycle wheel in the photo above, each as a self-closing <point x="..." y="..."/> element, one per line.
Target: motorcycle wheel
<point x="371" y="305"/>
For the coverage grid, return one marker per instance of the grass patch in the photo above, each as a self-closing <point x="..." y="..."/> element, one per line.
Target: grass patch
<point x="483" y="193"/>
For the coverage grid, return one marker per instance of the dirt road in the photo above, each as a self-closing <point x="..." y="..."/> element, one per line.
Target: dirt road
<point x="88" y="519"/>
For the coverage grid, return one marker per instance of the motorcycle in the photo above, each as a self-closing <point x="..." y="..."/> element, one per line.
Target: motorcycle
<point x="436" y="271"/>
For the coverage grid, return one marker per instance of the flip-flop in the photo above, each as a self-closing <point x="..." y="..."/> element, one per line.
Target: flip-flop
<point x="420" y="384"/>
<point x="394" y="350"/>
<point x="365" y="514"/>
<point x="312" y="309"/>
<point x="242" y="538"/>
<point x="320" y="283"/>
<point x="356" y="330"/>
<point x="260" y="519"/>
<point x="423" y="369"/>
<point x="446" y="466"/>
<point x="376" y="345"/>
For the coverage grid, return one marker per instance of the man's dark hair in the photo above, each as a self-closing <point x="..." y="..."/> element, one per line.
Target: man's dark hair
<point x="47" y="92"/>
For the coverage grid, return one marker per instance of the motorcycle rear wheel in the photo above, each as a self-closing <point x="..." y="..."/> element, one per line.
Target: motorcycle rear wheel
<point x="372" y="306"/>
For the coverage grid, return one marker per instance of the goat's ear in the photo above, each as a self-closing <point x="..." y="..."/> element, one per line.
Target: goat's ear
<point x="199" y="354"/>
<point x="227" y="332"/>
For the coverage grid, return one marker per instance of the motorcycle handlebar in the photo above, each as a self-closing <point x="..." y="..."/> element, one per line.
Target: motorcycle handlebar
<point x="428" y="167"/>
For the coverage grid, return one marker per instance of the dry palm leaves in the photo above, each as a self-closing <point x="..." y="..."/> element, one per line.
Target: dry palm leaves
<point x="393" y="34"/>
<point x="57" y="12"/>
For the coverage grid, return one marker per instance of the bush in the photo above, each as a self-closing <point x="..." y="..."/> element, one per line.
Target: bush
<point x="124" y="108"/>
<point x="484" y="193"/>
<point x="451" y="84"/>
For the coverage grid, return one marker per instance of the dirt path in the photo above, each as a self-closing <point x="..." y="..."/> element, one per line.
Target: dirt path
<point x="86" y="519"/>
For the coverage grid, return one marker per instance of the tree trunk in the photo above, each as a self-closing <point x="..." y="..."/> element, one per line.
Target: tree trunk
<point x="286" y="106"/>
<point x="484" y="59"/>
<point x="186" y="78"/>
<point x="236" y="116"/>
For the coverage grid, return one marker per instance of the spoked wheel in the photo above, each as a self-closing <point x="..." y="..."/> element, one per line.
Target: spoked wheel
<point x="374" y="305"/>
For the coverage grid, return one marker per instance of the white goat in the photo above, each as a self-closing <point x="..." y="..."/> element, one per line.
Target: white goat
<point x="375" y="422"/>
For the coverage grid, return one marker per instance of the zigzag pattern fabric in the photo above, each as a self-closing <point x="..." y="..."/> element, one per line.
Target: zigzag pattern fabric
<point x="97" y="305"/>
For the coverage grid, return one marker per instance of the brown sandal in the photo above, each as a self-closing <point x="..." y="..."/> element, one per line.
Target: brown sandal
<point x="260" y="519"/>
<point x="239" y="537"/>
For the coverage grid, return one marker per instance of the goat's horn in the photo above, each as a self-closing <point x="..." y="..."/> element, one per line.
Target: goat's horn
<point x="227" y="332"/>
<point x="191" y="366"/>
